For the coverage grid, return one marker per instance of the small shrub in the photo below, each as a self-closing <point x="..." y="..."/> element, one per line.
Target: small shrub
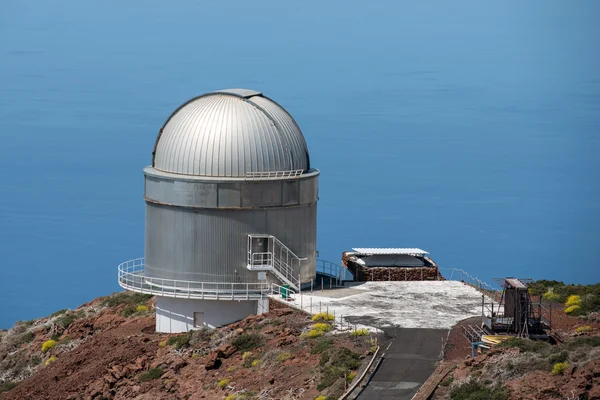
<point x="321" y="397"/>
<point x="249" y="341"/>
<point x="26" y="337"/>
<point x="126" y="298"/>
<point x="321" y="345"/>
<point x="559" y="368"/>
<point x="141" y="308"/>
<point x="231" y="369"/>
<point x="346" y="358"/>
<point x="342" y="363"/>
<point x="151" y="374"/>
<point x="525" y="345"/>
<point x="66" y="320"/>
<point x="551" y="297"/>
<point x="247" y="355"/>
<point x="583" y="341"/>
<point x="447" y="382"/>
<point x="48" y="344"/>
<point x="283" y="356"/>
<point x="223" y="383"/>
<point x="473" y="390"/>
<point x="321" y="326"/>
<point x="129" y="310"/>
<point x="6" y="386"/>
<point x="351" y="376"/>
<point x="200" y="336"/>
<point x="36" y="360"/>
<point x="560" y="357"/>
<point x="360" y="332"/>
<point x="59" y="312"/>
<point x="572" y="309"/>
<point x="50" y="361"/>
<point x="573" y="300"/>
<point x="584" y="328"/>
<point x="179" y="342"/>
<point x="323" y="316"/>
<point x="313" y="333"/>
<point x="324" y="359"/>
<point x="162" y="343"/>
<point x="256" y="363"/>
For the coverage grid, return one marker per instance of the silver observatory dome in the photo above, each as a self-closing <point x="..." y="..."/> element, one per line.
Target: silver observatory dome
<point x="230" y="133"/>
<point x="231" y="211"/>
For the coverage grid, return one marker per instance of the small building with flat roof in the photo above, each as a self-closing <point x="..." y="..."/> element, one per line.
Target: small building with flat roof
<point x="390" y="264"/>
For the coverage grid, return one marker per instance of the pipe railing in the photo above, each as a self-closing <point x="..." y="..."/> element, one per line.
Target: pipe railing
<point x="131" y="276"/>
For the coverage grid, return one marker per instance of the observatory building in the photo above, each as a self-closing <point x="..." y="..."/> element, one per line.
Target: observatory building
<point x="231" y="210"/>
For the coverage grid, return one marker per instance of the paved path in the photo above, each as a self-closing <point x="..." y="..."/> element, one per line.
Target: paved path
<point x="409" y="360"/>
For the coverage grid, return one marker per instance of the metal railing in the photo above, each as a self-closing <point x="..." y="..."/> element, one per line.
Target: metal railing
<point x="131" y="276"/>
<point x="335" y="271"/>
<point x="295" y="173"/>
<point x="468" y="278"/>
<point x="277" y="258"/>
<point x="282" y="291"/>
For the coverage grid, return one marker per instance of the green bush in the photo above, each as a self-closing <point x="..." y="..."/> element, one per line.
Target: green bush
<point x="559" y="368"/>
<point x="360" y="332"/>
<point x="6" y="386"/>
<point x="223" y="383"/>
<point x="151" y="374"/>
<point x="179" y="342"/>
<point x="48" y="344"/>
<point x="321" y="345"/>
<point x="473" y="390"/>
<point x="129" y="310"/>
<point x="322" y="326"/>
<point x="313" y="333"/>
<point x="65" y="320"/>
<point x="249" y="341"/>
<point x="559" y="357"/>
<point x="324" y="358"/>
<point x="283" y="356"/>
<point x="323" y="316"/>
<point x="23" y="338"/>
<point x="59" y="312"/>
<point x="525" y="345"/>
<point x="50" y="361"/>
<point x="342" y="363"/>
<point x="447" y="382"/>
<point x="346" y="359"/>
<point x="582" y="341"/>
<point x="126" y="298"/>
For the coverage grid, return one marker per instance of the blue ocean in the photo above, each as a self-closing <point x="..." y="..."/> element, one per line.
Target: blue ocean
<point x="469" y="129"/>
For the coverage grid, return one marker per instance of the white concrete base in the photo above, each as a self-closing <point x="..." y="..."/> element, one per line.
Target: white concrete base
<point x="182" y="315"/>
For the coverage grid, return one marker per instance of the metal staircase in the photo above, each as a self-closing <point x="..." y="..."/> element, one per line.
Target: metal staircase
<point x="267" y="253"/>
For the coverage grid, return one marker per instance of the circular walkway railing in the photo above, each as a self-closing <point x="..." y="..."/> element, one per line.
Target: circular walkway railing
<point x="132" y="277"/>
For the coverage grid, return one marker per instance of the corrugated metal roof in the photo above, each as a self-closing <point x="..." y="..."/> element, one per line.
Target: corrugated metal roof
<point x="404" y="250"/>
<point x="230" y="133"/>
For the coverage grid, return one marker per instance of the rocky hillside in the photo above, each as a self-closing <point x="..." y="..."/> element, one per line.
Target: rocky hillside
<point x="107" y="349"/>
<point x="525" y="369"/>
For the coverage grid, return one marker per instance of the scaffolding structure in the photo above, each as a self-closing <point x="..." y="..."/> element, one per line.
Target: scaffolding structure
<point x="516" y="313"/>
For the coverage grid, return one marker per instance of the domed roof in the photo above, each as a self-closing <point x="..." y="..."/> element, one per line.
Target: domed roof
<point x="230" y="133"/>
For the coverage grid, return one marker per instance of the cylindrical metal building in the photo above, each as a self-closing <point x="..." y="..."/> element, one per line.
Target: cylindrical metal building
<point x="231" y="205"/>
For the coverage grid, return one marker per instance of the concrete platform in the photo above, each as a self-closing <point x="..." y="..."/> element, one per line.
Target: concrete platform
<point x="414" y="317"/>
<point x="422" y="304"/>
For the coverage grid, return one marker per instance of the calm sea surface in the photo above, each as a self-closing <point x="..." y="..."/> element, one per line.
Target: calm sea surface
<point x="470" y="129"/>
